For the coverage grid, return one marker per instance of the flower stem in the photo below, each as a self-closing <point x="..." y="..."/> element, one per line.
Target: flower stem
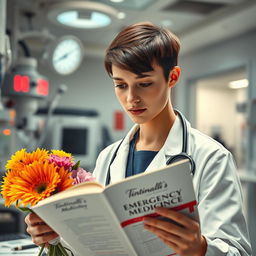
<point x="41" y="250"/>
<point x="50" y="251"/>
<point x="61" y="248"/>
<point x="54" y="250"/>
<point x="69" y="250"/>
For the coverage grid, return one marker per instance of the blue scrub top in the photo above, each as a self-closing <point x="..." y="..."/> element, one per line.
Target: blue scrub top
<point x="138" y="161"/>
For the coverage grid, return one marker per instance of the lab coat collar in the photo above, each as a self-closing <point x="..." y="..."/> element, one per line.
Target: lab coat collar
<point x="172" y="146"/>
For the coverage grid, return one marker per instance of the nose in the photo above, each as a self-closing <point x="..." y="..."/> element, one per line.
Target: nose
<point x="132" y="96"/>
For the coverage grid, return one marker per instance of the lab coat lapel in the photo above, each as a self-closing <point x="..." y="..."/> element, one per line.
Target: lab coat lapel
<point x="118" y="167"/>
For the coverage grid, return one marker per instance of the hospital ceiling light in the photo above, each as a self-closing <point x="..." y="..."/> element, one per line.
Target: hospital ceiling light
<point x="238" y="84"/>
<point x="167" y="23"/>
<point x="121" y="15"/>
<point x="82" y="14"/>
<point x="116" y="1"/>
<point x="74" y="19"/>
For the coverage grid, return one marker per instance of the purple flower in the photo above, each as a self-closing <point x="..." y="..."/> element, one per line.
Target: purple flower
<point x="63" y="161"/>
<point x="80" y="175"/>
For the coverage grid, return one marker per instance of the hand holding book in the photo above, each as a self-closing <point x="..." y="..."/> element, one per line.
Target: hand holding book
<point x="185" y="238"/>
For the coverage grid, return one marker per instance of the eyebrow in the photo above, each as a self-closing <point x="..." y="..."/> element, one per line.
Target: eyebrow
<point x="138" y="76"/>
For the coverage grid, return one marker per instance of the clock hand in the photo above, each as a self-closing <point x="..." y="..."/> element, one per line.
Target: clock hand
<point x="65" y="55"/>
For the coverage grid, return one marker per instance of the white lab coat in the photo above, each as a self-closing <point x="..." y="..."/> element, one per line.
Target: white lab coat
<point x="216" y="185"/>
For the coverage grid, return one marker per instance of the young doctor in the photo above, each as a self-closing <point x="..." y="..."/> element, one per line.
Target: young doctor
<point x="142" y="61"/>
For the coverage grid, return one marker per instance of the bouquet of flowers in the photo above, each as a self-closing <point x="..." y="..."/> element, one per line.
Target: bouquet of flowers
<point x="32" y="177"/>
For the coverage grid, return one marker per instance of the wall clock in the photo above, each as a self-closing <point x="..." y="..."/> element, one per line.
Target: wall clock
<point x="66" y="55"/>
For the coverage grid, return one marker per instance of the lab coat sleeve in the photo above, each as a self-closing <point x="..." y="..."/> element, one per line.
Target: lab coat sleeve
<point x="220" y="207"/>
<point x="98" y="172"/>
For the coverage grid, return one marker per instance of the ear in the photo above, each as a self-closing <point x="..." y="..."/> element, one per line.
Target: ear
<point x="174" y="76"/>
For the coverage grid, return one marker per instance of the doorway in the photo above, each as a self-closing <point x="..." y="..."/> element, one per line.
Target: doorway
<point x="219" y="105"/>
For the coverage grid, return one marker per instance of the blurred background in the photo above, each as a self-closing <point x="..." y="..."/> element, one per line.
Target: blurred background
<point x="53" y="85"/>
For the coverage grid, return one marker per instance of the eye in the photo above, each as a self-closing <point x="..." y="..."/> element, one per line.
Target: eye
<point x="145" y="84"/>
<point x="120" y="86"/>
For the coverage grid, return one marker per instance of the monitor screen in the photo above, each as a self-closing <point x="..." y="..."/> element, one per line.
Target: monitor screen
<point x="75" y="140"/>
<point x="81" y="136"/>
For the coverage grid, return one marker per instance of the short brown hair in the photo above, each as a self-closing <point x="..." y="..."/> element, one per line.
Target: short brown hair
<point x="137" y="46"/>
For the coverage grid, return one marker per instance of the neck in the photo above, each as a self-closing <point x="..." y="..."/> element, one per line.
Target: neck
<point x="153" y="134"/>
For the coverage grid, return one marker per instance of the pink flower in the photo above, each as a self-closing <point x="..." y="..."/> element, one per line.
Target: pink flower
<point x="63" y="161"/>
<point x="80" y="175"/>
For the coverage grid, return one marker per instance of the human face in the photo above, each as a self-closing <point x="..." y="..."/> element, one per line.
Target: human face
<point x="143" y="97"/>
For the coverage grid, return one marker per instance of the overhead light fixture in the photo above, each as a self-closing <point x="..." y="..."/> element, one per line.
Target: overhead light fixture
<point x="76" y="19"/>
<point x="167" y="23"/>
<point x="238" y="84"/>
<point x="82" y="14"/>
<point x="121" y="15"/>
<point x="116" y="1"/>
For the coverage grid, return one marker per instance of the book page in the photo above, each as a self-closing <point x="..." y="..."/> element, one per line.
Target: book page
<point x="87" y="224"/>
<point x="137" y="197"/>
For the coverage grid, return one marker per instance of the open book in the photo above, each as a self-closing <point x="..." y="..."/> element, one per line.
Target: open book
<point x="108" y="221"/>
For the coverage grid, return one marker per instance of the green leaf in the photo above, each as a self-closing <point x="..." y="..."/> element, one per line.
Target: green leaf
<point x="24" y="209"/>
<point x="76" y="166"/>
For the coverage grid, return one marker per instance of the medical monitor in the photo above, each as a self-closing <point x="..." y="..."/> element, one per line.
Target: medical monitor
<point x="78" y="135"/>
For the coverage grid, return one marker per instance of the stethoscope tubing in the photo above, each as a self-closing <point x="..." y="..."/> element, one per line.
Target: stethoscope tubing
<point x="172" y="159"/>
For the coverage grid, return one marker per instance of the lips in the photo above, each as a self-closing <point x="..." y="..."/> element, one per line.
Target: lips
<point x="136" y="111"/>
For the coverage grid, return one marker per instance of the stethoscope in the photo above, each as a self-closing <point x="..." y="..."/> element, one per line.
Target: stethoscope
<point x="171" y="159"/>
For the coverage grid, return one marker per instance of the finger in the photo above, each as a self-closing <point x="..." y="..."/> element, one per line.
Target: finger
<point x="165" y="235"/>
<point x="43" y="239"/>
<point x="32" y="219"/>
<point x="172" y="245"/>
<point x="179" y="218"/>
<point x="180" y="246"/>
<point x="166" y="226"/>
<point x="39" y="229"/>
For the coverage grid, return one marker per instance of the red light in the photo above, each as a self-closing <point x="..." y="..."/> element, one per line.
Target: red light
<point x="42" y="87"/>
<point x="21" y="83"/>
<point x="7" y="132"/>
<point x="119" y="120"/>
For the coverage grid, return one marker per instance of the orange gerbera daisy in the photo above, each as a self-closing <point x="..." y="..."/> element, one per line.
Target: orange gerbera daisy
<point x="17" y="160"/>
<point x="8" y="180"/>
<point x="66" y="180"/>
<point x="37" y="155"/>
<point x="60" y="153"/>
<point x="38" y="181"/>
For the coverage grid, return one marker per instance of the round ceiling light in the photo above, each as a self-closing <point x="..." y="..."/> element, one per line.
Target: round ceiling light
<point x="82" y="14"/>
<point x="76" y="20"/>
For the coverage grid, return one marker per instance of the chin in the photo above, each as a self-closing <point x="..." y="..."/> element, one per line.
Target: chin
<point x="138" y="120"/>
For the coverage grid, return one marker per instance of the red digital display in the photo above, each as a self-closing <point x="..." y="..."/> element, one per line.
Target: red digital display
<point x="21" y="83"/>
<point x="42" y="87"/>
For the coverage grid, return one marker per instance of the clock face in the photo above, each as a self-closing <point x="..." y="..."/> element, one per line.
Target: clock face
<point x="67" y="56"/>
